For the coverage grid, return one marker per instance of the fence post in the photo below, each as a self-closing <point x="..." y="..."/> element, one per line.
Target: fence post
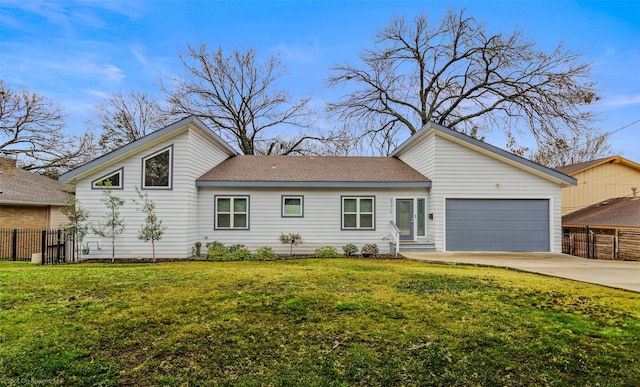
<point x="58" y="246"/>
<point x="44" y="246"/>
<point x="14" y="244"/>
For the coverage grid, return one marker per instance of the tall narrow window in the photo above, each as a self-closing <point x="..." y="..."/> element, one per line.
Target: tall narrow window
<point x="292" y="206"/>
<point x="157" y="169"/>
<point x="231" y="212"/>
<point x="421" y="218"/>
<point x="112" y="180"/>
<point x="358" y="213"/>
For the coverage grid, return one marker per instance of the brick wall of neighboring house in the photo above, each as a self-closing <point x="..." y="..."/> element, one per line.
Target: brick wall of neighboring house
<point x="24" y="217"/>
<point x="8" y="166"/>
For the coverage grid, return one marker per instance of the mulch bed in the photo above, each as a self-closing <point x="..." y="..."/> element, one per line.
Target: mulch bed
<point x="280" y="257"/>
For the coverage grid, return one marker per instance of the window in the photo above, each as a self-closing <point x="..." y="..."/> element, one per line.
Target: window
<point x="157" y="169"/>
<point x="292" y="206"/>
<point x="112" y="180"/>
<point x="421" y="218"/>
<point x="357" y="213"/>
<point x="232" y="213"/>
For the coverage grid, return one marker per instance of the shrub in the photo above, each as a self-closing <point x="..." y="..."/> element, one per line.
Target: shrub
<point x="217" y="252"/>
<point x="240" y="253"/>
<point x="350" y="249"/>
<point x="198" y="249"/>
<point x="234" y="248"/>
<point x="370" y="249"/>
<point x="265" y="253"/>
<point x="214" y="244"/>
<point x="326" y="252"/>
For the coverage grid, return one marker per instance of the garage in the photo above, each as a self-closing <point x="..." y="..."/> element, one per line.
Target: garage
<point x="497" y="225"/>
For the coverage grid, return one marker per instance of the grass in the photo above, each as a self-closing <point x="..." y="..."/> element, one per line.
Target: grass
<point x="311" y="322"/>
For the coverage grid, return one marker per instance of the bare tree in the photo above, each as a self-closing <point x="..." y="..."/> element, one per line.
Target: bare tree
<point x="239" y="97"/>
<point x="114" y="224"/>
<point x="457" y="74"/>
<point x="33" y="128"/>
<point x="124" y="118"/>
<point x="578" y="149"/>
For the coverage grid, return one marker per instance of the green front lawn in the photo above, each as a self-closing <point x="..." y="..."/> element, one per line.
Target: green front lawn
<point x="311" y="322"/>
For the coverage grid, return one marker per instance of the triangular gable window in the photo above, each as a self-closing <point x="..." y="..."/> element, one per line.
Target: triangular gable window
<point x="113" y="180"/>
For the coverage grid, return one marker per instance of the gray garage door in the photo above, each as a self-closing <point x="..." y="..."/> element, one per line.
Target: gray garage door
<point x="497" y="225"/>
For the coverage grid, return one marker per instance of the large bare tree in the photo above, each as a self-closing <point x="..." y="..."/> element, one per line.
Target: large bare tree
<point x="124" y="118"/>
<point x="457" y="74"/>
<point x="32" y="128"/>
<point x="239" y="96"/>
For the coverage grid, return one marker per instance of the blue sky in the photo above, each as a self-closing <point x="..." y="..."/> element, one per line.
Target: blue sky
<point x="78" y="52"/>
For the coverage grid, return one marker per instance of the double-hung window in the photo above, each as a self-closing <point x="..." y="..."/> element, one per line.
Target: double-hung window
<point x="358" y="213"/>
<point x="231" y="212"/>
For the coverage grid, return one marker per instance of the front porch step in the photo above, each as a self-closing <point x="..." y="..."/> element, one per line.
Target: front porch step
<point x="413" y="246"/>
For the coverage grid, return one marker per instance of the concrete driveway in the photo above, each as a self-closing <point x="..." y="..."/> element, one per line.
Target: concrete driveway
<point x="615" y="274"/>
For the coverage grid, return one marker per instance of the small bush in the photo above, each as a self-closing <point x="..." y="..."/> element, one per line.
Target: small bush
<point x="217" y="252"/>
<point x="214" y="244"/>
<point x="240" y="254"/>
<point x="370" y="249"/>
<point x="326" y="252"/>
<point x="265" y="253"/>
<point x="234" y="248"/>
<point x="350" y="249"/>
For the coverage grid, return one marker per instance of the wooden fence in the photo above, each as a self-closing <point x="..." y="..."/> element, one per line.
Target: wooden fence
<point x="600" y="243"/>
<point x="50" y="246"/>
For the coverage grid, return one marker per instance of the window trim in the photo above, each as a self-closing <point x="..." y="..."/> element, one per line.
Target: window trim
<point x="156" y="153"/>
<point x="358" y="227"/>
<point x="283" y="198"/>
<point x="119" y="171"/>
<point x="231" y="212"/>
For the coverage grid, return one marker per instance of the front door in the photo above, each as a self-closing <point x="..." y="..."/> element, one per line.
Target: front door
<point x="404" y="218"/>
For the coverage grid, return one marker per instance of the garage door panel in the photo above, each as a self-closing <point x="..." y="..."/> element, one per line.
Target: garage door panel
<point x="497" y="225"/>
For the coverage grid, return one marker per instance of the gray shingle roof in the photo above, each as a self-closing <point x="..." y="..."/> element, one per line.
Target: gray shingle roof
<point x="313" y="169"/>
<point x="616" y="212"/>
<point x="30" y="188"/>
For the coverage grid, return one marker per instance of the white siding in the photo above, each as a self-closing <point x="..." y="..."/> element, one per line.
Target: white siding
<point x="192" y="156"/>
<point x="457" y="171"/>
<point x="56" y="218"/>
<point x="319" y="227"/>
<point x="421" y="157"/>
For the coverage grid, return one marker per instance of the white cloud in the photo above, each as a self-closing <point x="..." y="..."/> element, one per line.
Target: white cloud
<point x="617" y="101"/>
<point x="90" y="66"/>
<point x="300" y="53"/>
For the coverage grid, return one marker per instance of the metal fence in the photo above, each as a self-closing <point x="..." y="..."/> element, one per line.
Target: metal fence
<point x="579" y="241"/>
<point x="38" y="246"/>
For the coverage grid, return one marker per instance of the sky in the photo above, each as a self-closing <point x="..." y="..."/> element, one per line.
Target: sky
<point x="76" y="53"/>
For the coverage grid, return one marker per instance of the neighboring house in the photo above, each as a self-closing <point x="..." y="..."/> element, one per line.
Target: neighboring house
<point x="443" y="190"/>
<point x="598" y="180"/>
<point x="615" y="224"/>
<point x="29" y="200"/>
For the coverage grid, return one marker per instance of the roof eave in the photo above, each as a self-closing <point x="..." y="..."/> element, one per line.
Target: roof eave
<point x="488" y="149"/>
<point x="153" y="137"/>
<point x="614" y="159"/>
<point x="316" y="184"/>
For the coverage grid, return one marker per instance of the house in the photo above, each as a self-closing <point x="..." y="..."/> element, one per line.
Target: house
<point x="29" y="200"/>
<point x="440" y="190"/>
<point x="599" y="180"/>
<point x="614" y="225"/>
